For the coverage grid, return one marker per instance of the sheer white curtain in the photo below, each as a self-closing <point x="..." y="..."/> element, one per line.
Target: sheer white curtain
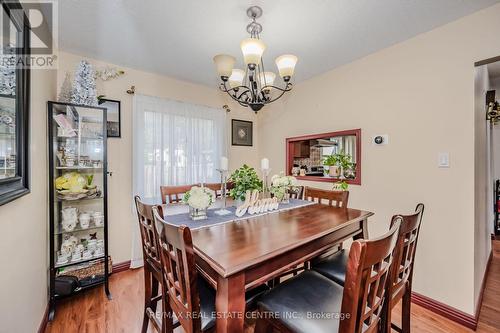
<point x="174" y="143"/>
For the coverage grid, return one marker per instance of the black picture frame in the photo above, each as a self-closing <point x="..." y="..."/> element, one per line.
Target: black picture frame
<point x="114" y="128"/>
<point x="238" y="127"/>
<point x="19" y="185"/>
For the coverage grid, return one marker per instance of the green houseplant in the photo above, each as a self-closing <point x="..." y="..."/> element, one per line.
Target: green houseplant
<point x="338" y="162"/>
<point x="244" y="178"/>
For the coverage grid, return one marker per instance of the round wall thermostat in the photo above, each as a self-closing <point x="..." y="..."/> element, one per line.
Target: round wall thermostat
<point x="381" y="140"/>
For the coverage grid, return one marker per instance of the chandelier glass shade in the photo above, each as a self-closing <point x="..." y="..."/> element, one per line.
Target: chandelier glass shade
<point x="253" y="86"/>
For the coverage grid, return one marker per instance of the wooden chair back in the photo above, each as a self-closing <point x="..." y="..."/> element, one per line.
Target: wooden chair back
<point x="334" y="198"/>
<point x="149" y="235"/>
<point x="368" y="270"/>
<point x="404" y="253"/>
<point x="216" y="187"/>
<point x="174" y="194"/>
<point x="179" y="273"/>
<point x="296" y="192"/>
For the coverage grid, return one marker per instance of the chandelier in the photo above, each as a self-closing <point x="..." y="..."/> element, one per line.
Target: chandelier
<point x="254" y="87"/>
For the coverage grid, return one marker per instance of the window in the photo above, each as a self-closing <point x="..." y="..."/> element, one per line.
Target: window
<point x="175" y="143"/>
<point x="14" y="107"/>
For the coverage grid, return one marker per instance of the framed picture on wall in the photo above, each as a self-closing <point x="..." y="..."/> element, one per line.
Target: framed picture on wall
<point x="241" y="132"/>
<point x="113" y="117"/>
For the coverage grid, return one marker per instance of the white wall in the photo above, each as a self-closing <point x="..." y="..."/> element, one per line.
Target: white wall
<point x="421" y="93"/>
<point x="121" y="219"/>
<point x="24" y="245"/>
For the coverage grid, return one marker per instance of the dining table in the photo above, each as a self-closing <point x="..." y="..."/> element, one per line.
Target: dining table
<point x="242" y="253"/>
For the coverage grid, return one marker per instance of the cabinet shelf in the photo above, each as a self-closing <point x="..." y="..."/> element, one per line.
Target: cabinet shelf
<point x="77" y="168"/>
<point x="60" y="231"/>
<point x="72" y="263"/>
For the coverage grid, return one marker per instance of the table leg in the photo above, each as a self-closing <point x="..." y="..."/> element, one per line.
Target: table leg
<point x="364" y="230"/>
<point x="230" y="304"/>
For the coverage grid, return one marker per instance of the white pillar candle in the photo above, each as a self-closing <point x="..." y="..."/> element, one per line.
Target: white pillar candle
<point x="264" y="164"/>
<point x="224" y="163"/>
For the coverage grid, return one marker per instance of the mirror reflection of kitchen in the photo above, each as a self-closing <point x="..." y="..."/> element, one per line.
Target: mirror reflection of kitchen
<point x="331" y="157"/>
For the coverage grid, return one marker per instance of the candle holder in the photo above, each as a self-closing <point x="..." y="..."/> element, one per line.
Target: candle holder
<point x="223" y="190"/>
<point x="265" y="183"/>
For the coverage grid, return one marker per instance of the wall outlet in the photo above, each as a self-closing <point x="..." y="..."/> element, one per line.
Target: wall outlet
<point x="380" y="139"/>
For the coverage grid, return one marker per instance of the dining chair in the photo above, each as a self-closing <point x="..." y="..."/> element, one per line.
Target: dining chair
<point x="187" y="294"/>
<point x="357" y="307"/>
<point x="152" y="264"/>
<point x="335" y="266"/>
<point x="216" y="187"/>
<point x="174" y="194"/>
<point x="334" y="198"/>
<point x="296" y="192"/>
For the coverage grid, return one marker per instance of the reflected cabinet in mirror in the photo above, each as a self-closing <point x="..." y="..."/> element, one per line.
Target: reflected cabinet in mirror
<point x="14" y="108"/>
<point x="326" y="157"/>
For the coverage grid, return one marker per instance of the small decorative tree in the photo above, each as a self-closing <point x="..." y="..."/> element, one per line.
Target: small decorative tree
<point x="84" y="88"/>
<point x="66" y="89"/>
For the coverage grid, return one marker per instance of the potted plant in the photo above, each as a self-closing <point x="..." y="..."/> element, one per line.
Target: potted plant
<point x="244" y="179"/>
<point x="332" y="162"/>
<point x="199" y="199"/>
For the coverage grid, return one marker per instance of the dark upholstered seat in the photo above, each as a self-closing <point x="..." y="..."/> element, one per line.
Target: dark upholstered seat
<point x="302" y="300"/>
<point x="334" y="266"/>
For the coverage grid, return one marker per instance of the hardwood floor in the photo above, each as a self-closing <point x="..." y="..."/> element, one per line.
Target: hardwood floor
<point x="92" y="312"/>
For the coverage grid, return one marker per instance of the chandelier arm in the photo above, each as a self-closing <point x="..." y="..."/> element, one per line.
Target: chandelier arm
<point x="283" y="91"/>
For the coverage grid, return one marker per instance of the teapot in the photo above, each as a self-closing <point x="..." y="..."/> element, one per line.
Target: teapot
<point x="69" y="218"/>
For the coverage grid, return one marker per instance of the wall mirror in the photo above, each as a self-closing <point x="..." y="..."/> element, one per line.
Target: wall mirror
<point x="14" y="100"/>
<point x="326" y="157"/>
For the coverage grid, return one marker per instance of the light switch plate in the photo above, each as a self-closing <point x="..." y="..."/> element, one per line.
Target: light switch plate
<point x="444" y="160"/>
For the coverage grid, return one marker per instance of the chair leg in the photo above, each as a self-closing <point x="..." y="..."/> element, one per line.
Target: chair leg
<point x="263" y="326"/>
<point x="406" y="312"/>
<point x="167" y="320"/>
<point x="154" y="292"/>
<point x="387" y="320"/>
<point x="147" y="299"/>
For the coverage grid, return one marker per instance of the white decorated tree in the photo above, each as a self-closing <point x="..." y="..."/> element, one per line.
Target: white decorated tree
<point x="66" y="89"/>
<point x="84" y="87"/>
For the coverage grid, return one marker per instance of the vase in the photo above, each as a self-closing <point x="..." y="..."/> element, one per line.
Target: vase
<point x="334" y="171"/>
<point x="197" y="213"/>
<point x="238" y="203"/>
<point x="286" y="198"/>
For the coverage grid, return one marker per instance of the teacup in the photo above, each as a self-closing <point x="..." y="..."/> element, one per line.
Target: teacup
<point x="98" y="220"/>
<point x="99" y="251"/>
<point x="76" y="256"/>
<point x="92" y="244"/>
<point x="85" y="220"/>
<point x="87" y="254"/>
<point x="79" y="248"/>
<point x="62" y="258"/>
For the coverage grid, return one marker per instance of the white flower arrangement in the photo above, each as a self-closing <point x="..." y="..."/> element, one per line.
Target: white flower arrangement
<point x="280" y="184"/>
<point x="199" y="197"/>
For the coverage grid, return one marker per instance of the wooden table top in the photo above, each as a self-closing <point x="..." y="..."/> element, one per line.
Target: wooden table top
<point x="232" y="247"/>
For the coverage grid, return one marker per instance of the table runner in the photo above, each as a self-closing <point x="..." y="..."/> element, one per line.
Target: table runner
<point x="214" y="219"/>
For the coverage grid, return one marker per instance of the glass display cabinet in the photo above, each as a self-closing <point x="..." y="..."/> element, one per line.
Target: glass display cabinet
<point x="78" y="200"/>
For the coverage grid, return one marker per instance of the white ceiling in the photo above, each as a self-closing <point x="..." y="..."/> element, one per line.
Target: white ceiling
<point x="179" y="38"/>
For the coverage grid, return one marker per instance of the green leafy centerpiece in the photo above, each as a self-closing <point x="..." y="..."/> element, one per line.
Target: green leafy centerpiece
<point x="199" y="199"/>
<point x="244" y="179"/>
<point x="340" y="164"/>
<point x="281" y="186"/>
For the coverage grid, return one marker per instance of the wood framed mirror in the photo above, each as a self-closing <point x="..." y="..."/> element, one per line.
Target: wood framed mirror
<point x="325" y="157"/>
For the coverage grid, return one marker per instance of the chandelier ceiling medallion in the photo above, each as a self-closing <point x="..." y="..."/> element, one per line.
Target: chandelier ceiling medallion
<point x="253" y="86"/>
